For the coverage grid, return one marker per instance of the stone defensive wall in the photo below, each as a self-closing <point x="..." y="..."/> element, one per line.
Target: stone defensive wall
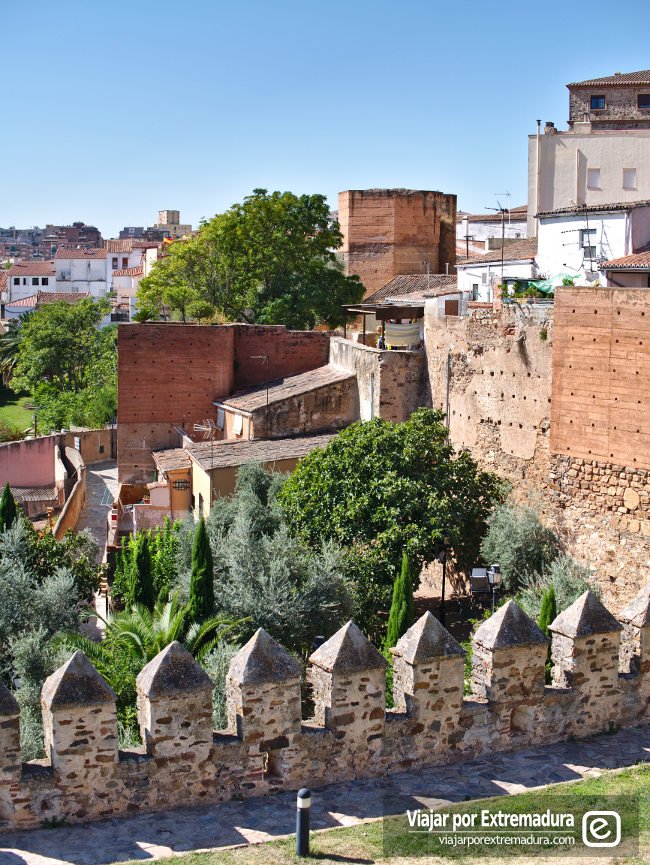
<point x="601" y="678"/>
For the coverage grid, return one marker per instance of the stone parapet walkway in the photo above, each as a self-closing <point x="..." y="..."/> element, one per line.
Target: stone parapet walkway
<point x="152" y="836"/>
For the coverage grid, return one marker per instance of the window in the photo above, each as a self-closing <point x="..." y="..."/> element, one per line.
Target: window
<point x="587" y="235"/>
<point x="16" y="280"/>
<point x="34" y="280"/>
<point x="181" y="484"/>
<point x="125" y="262"/>
<point x="238" y="424"/>
<point x="114" y="262"/>
<point x="629" y="178"/>
<point x="475" y="291"/>
<point x="643" y="101"/>
<point x="45" y="280"/>
<point x="598" y="103"/>
<point x="220" y="418"/>
<point x="593" y="178"/>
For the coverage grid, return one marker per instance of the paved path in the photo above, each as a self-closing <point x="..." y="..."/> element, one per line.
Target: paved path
<point x="152" y="836"/>
<point x="101" y="491"/>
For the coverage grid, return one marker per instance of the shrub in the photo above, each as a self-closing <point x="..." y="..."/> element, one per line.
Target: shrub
<point x="216" y="664"/>
<point x="569" y="579"/>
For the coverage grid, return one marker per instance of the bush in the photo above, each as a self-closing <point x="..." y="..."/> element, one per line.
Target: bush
<point x="520" y="543"/>
<point x="569" y="579"/>
<point x="216" y="664"/>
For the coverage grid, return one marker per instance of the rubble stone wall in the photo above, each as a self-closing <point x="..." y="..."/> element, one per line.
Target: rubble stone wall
<point x="269" y="746"/>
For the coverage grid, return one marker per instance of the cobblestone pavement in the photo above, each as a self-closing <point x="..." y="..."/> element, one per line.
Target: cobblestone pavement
<point x="153" y="836"/>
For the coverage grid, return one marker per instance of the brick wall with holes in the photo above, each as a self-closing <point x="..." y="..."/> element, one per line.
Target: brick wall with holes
<point x="601" y="367"/>
<point x="170" y="374"/>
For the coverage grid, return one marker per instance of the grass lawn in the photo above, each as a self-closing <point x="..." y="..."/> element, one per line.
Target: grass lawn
<point x="13" y="408"/>
<point x="363" y="844"/>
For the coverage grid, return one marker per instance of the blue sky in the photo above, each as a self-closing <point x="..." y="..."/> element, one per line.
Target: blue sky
<point x="122" y="109"/>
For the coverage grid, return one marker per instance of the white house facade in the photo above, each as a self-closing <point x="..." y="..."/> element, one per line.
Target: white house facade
<point x="26" y="278"/>
<point x="80" y="270"/>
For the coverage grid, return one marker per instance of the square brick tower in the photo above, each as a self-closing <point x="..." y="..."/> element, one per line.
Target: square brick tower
<point x="387" y="232"/>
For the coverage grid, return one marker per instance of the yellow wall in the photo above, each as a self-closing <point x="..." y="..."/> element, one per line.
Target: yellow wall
<point x="224" y="479"/>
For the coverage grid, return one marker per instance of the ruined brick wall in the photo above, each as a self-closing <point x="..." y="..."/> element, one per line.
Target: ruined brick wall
<point x="170" y="374"/>
<point x="268" y="746"/>
<point x="393" y="231"/>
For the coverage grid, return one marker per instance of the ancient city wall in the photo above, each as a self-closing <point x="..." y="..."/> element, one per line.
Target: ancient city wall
<point x="601" y="677"/>
<point x="170" y="374"/>
<point x="76" y="500"/>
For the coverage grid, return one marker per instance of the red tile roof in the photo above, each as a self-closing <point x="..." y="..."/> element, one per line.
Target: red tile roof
<point x="130" y="271"/>
<point x="519" y="250"/>
<point x="31" y="268"/>
<point x="146" y="244"/>
<point x="80" y="253"/>
<point x="124" y="245"/>
<point x="409" y="283"/>
<point x="626" y="78"/>
<point x="517" y="213"/>
<point x="3" y="279"/>
<point x="42" y="297"/>
<point x="639" y="261"/>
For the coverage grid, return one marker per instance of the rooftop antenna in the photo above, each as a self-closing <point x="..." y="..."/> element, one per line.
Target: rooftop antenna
<point x="502" y="211"/>
<point x="509" y="197"/>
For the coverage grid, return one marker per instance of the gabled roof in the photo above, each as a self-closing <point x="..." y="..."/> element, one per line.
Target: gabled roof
<point x="639" y="261"/>
<point x="624" y="79"/>
<point x="42" y="297"/>
<point x="228" y="453"/>
<point x="518" y="214"/>
<point x="403" y="284"/>
<point x="124" y="245"/>
<point x="80" y="253"/>
<point x="520" y="250"/>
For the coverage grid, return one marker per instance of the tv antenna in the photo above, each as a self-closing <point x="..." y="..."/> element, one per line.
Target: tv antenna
<point x="507" y="195"/>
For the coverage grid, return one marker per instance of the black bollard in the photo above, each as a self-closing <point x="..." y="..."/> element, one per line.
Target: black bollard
<point x="303" y="814"/>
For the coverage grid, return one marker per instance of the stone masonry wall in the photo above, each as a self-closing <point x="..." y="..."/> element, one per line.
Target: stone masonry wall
<point x="269" y="746"/>
<point x="620" y="107"/>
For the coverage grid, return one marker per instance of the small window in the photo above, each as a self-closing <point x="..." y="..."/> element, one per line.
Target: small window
<point x="114" y="263"/>
<point x="629" y="178"/>
<point x="45" y="280"/>
<point x="475" y="291"/>
<point x="598" y="103"/>
<point x="593" y="178"/>
<point x="181" y="484"/>
<point x="16" y="280"/>
<point x="34" y="280"/>
<point x="220" y="418"/>
<point x="125" y="262"/>
<point x="643" y="101"/>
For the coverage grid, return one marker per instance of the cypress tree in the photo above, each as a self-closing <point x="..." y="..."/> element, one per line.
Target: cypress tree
<point x="8" y="510"/>
<point x="201" y="603"/>
<point x="402" y="610"/>
<point x="142" y="575"/>
<point x="548" y="610"/>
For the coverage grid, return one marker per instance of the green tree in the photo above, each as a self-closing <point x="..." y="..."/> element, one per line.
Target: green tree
<point x="548" y="611"/>
<point x="199" y="309"/>
<point x="381" y="489"/>
<point x="402" y="613"/>
<point x="270" y="259"/>
<point x="201" y="602"/>
<point x="10" y="342"/>
<point x="142" y="590"/>
<point x="8" y="511"/>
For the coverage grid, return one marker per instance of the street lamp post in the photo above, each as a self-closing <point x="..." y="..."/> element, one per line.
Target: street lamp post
<point x="494" y="579"/>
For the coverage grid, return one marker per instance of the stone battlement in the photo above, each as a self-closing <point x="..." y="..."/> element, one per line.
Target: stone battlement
<point x="601" y="677"/>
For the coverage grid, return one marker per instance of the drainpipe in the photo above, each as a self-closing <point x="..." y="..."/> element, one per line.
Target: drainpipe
<point x="539" y="167"/>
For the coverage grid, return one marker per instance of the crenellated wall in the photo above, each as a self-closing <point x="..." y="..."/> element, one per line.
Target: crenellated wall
<point x="601" y="677"/>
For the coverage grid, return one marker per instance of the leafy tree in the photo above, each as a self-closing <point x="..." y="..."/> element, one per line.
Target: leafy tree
<point x="517" y="539"/>
<point x="381" y="489"/>
<point x="200" y="309"/>
<point x="548" y="611"/>
<point x="10" y="342"/>
<point x="269" y="259"/>
<point x="402" y="613"/>
<point x="202" y="585"/>
<point x="569" y="580"/>
<point x="8" y="511"/>
<point x="142" y="589"/>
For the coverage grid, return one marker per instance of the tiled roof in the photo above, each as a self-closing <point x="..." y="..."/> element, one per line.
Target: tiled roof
<point x="42" y="297"/>
<point x="519" y="250"/>
<point x="639" y="261"/>
<point x="3" y="279"/>
<point x="596" y="208"/>
<point x="408" y="283"/>
<point x="626" y="78"/>
<point x="224" y="454"/>
<point x="47" y="495"/>
<point x="130" y="271"/>
<point x="284" y="388"/>
<point x="31" y="268"/>
<point x="80" y="253"/>
<point x="146" y="244"/>
<point x="125" y="245"/>
<point x="519" y="214"/>
<point x="172" y="458"/>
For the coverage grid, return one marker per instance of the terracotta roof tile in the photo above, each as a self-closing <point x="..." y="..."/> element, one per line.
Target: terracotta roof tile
<point x="130" y="271"/>
<point x="31" y="268"/>
<point x="410" y="283"/>
<point x="224" y="454"/>
<point x="639" y="261"/>
<point x="517" y="213"/>
<point x="519" y="250"/>
<point x="626" y="78"/>
<point x="172" y="458"/>
<point x="42" y="297"/>
<point x="596" y="208"/>
<point x="80" y="253"/>
<point x="124" y="245"/>
<point x="284" y="388"/>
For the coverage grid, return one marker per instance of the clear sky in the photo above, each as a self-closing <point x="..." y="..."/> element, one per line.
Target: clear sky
<point x="113" y="111"/>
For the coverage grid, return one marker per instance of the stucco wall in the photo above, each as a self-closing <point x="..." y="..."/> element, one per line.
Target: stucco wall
<point x="29" y="463"/>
